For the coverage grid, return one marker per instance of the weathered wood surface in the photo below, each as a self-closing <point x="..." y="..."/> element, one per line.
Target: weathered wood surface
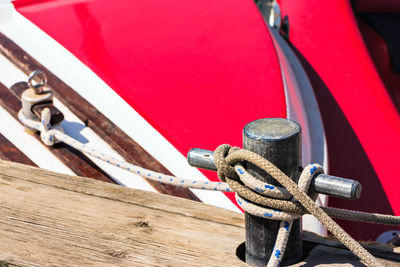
<point x="377" y="249"/>
<point x="53" y="219"/>
<point x="10" y="152"/>
<point x="322" y="255"/>
<point x="323" y="251"/>
<point x="106" y="129"/>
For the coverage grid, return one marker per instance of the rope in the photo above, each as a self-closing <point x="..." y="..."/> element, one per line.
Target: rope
<point x="49" y="137"/>
<point x="47" y="133"/>
<point x="278" y="203"/>
<point x="285" y="217"/>
<point x="298" y="194"/>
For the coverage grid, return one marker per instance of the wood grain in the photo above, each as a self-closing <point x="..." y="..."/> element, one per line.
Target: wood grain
<point x="73" y="159"/>
<point x="335" y="257"/>
<point x="60" y="220"/>
<point x="53" y="219"/>
<point x="9" y="152"/>
<point x="107" y="130"/>
<point x="379" y="250"/>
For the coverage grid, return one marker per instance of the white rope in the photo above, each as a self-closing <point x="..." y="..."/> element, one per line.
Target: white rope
<point x="145" y="173"/>
<point x="51" y="135"/>
<point x="54" y="134"/>
<point x="47" y="132"/>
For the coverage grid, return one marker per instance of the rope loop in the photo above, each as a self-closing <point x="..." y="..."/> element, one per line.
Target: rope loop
<point x="224" y="169"/>
<point x="46" y="133"/>
<point x="249" y="191"/>
<point x="284" y="203"/>
<point x="247" y="187"/>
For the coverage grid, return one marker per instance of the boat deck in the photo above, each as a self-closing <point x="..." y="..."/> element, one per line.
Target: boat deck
<point x="48" y="218"/>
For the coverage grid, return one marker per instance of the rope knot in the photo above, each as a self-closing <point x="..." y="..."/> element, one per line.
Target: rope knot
<point x="47" y="131"/>
<point x="229" y="161"/>
<point x="274" y="202"/>
<point x="48" y="137"/>
<point x="288" y="202"/>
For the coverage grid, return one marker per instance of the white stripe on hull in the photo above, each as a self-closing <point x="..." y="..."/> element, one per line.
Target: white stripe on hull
<point x="78" y="76"/>
<point x="29" y="145"/>
<point x="77" y="129"/>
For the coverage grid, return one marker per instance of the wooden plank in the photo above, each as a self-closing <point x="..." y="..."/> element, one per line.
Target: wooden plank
<point x="106" y="129"/>
<point x="48" y="218"/>
<point x="73" y="159"/>
<point x="333" y="257"/>
<point x="18" y="88"/>
<point x="56" y="115"/>
<point x="9" y="152"/>
<point x="53" y="219"/>
<point x="388" y="252"/>
<point x="323" y="255"/>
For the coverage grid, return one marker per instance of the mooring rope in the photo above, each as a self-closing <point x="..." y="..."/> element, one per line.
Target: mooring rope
<point x="277" y="203"/>
<point x="228" y="157"/>
<point x="285" y="217"/>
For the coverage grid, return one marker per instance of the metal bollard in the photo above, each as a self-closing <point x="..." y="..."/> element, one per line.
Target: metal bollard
<point x="279" y="141"/>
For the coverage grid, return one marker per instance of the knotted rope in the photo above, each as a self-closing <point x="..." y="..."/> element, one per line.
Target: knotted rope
<point x="281" y="203"/>
<point x="226" y="157"/>
<point x="47" y="132"/>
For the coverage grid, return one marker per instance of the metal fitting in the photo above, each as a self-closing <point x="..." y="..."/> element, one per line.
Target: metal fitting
<point x="323" y="183"/>
<point x="35" y="94"/>
<point x="41" y="80"/>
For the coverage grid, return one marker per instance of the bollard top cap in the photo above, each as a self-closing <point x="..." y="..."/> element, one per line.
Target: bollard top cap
<point x="271" y="129"/>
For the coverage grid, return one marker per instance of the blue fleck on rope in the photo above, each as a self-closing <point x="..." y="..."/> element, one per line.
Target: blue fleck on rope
<point x="51" y="135"/>
<point x="261" y="187"/>
<point x="56" y="135"/>
<point x="286" y="218"/>
<point x="145" y="173"/>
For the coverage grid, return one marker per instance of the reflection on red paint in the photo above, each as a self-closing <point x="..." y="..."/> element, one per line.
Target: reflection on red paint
<point x="197" y="71"/>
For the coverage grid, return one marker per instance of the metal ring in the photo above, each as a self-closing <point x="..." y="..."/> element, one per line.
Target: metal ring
<point x="41" y="77"/>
